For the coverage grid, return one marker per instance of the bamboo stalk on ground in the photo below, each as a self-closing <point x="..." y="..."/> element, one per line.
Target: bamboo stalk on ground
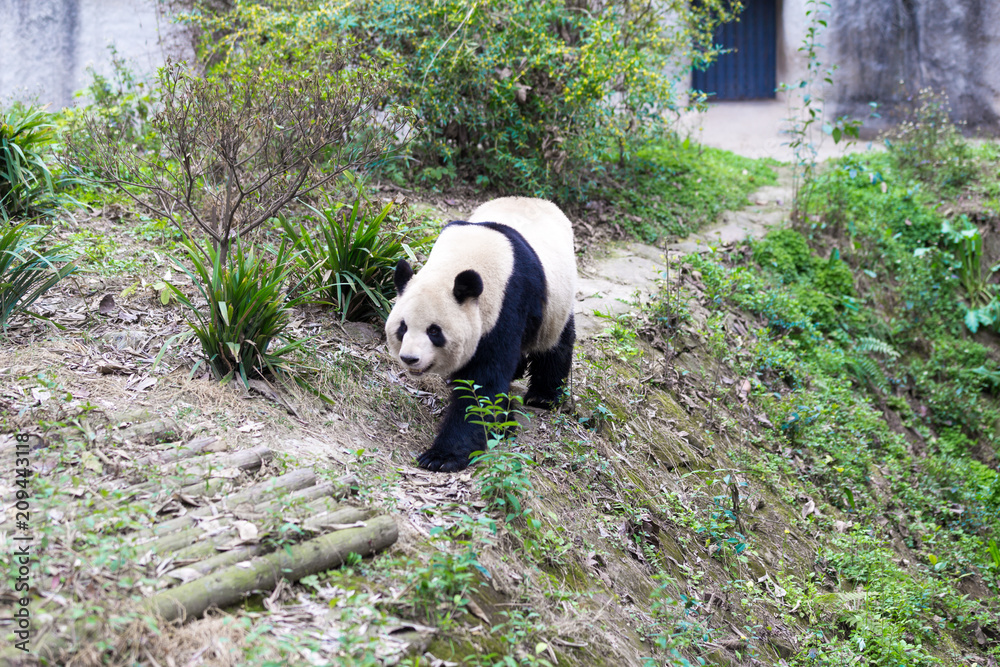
<point x="295" y="483"/>
<point x="189" y="542"/>
<point x="193" y="479"/>
<point x="205" y="567"/>
<point x="232" y="584"/>
<point x="177" y="453"/>
<point x="194" y="542"/>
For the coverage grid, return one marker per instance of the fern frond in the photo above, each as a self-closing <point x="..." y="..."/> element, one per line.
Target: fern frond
<point x="868" y="344"/>
<point x="866" y="370"/>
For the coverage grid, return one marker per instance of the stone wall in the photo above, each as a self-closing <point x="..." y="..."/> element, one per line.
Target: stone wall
<point x="889" y="49"/>
<point x="46" y="46"/>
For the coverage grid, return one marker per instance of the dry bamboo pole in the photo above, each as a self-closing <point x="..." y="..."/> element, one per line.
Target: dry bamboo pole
<point x="204" y="465"/>
<point x="296" y="482"/>
<point x="194" y="544"/>
<point x="193" y="477"/>
<point x="205" y="567"/>
<point x="229" y="586"/>
<point x="337" y="517"/>
<point x="179" y="539"/>
<point x="176" y="453"/>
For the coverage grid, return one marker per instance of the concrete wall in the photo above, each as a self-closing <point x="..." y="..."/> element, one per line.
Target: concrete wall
<point x="46" y="46"/>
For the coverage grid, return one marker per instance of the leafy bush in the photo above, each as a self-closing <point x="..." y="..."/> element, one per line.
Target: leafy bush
<point x="865" y="195"/>
<point x="351" y="256"/>
<point x="26" y="184"/>
<point x="525" y="95"/>
<point x="247" y="311"/>
<point x="984" y="298"/>
<point x="786" y="251"/>
<point x="822" y="289"/>
<point x="122" y="101"/>
<point x="26" y="271"/>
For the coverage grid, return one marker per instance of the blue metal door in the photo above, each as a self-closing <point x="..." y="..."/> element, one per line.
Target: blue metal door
<point x="748" y="71"/>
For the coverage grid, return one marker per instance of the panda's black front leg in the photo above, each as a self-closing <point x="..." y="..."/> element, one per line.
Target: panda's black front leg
<point x="459" y="437"/>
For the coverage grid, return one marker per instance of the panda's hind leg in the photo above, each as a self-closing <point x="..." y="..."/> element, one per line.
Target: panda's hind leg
<point x="548" y="370"/>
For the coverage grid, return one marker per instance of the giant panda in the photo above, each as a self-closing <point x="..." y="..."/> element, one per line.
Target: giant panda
<point x="494" y="300"/>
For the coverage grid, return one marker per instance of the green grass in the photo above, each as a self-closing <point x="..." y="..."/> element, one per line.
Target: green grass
<point x="674" y="187"/>
<point x="860" y="315"/>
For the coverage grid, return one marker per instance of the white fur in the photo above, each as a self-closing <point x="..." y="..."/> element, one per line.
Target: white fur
<point x="428" y="299"/>
<point x="550" y="233"/>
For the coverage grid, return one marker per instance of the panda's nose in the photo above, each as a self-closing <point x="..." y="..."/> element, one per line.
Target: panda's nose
<point x="409" y="361"/>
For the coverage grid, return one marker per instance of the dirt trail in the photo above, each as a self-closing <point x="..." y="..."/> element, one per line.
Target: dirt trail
<point x="609" y="280"/>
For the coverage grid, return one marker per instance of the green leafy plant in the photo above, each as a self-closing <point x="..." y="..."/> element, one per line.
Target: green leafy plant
<point x="122" y="100"/>
<point x="242" y="333"/>
<point x="524" y="95"/>
<point x="26" y="183"/>
<point x="26" y="270"/>
<point x="984" y="299"/>
<point x="678" y="624"/>
<point x="803" y="120"/>
<point x="350" y="255"/>
<point x="442" y="585"/>
<point x="502" y="474"/>
<point x="521" y="629"/>
<point x="864" y="368"/>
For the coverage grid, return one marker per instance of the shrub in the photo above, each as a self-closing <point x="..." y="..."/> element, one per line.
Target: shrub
<point x="356" y="251"/>
<point x="823" y="289"/>
<point x="26" y="185"/>
<point x="525" y="95"/>
<point x="241" y="143"/>
<point x="248" y="311"/>
<point x="25" y="272"/>
<point x="786" y="252"/>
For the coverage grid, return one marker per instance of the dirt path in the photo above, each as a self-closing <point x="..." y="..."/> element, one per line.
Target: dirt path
<point x="610" y="280"/>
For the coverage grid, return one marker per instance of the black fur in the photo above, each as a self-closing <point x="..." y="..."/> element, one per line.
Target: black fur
<point x="468" y="285"/>
<point x="548" y="370"/>
<point x="436" y="335"/>
<point x="499" y="357"/>
<point x="402" y="275"/>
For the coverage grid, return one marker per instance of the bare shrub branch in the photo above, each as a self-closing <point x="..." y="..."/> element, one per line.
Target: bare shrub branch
<point x="237" y="146"/>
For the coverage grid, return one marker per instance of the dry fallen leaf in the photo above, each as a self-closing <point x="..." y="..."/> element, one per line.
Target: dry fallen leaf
<point x="478" y="612"/>
<point x="808" y="508"/>
<point x="248" y="531"/>
<point x="107" y="304"/>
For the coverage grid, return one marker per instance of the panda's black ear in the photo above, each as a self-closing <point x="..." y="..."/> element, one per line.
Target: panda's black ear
<point x="468" y="285"/>
<point x="402" y="275"/>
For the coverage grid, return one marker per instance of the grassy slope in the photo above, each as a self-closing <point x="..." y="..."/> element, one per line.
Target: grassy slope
<point x="733" y="484"/>
<point x="672" y="188"/>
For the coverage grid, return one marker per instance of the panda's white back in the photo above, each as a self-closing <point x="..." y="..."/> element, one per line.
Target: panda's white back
<point x="550" y="233"/>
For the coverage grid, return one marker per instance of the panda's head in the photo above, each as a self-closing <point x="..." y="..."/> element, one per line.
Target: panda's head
<point x="436" y="323"/>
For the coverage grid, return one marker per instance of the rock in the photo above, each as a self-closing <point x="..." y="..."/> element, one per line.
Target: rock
<point x="947" y="46"/>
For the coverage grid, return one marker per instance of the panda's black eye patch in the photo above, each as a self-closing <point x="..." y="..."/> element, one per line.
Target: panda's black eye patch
<point x="401" y="331"/>
<point x="436" y="335"/>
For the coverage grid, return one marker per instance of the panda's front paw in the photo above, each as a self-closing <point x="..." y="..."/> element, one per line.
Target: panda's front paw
<point x="438" y="460"/>
<point x="541" y="402"/>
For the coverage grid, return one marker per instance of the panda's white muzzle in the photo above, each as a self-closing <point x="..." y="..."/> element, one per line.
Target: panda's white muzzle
<point x="412" y="365"/>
